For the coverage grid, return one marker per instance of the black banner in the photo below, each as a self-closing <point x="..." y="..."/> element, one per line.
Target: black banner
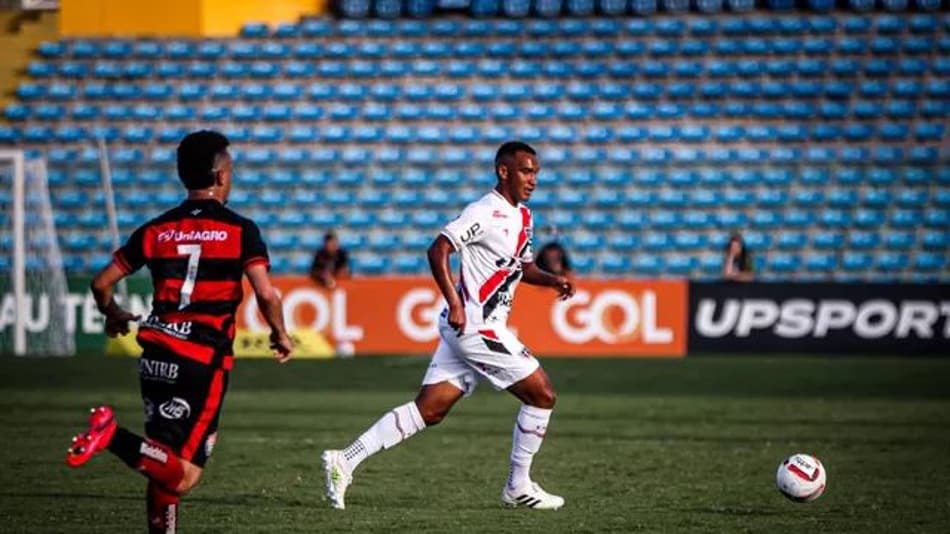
<point x="853" y="318"/>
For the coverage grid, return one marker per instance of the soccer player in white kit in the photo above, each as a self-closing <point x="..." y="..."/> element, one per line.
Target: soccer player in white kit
<point x="493" y="239"/>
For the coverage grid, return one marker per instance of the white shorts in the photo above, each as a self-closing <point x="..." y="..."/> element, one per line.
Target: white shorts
<point x="491" y="353"/>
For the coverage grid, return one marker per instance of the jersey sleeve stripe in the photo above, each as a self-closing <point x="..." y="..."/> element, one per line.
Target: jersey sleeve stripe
<point x="120" y="261"/>
<point x="523" y="234"/>
<point x="255" y="260"/>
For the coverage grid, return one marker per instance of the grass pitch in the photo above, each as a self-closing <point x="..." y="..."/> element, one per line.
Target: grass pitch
<point x="634" y="446"/>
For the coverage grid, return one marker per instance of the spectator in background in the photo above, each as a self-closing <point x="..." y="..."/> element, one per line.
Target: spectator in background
<point x="553" y="258"/>
<point x="737" y="263"/>
<point x="330" y="262"/>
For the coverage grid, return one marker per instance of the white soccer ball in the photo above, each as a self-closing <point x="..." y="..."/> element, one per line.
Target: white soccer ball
<point x="801" y="478"/>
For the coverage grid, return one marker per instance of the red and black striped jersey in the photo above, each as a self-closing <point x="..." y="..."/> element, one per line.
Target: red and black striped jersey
<point x="197" y="253"/>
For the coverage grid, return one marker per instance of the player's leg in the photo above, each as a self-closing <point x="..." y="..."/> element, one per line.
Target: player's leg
<point x="179" y="439"/>
<point x="501" y="359"/>
<point x="446" y="381"/>
<point x="183" y="420"/>
<point x="430" y="406"/>
<point x="538" y="397"/>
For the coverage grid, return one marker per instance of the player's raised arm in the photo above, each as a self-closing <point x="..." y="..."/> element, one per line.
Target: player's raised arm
<point x="103" y="289"/>
<point x="269" y="302"/>
<point x="438" y="255"/>
<point x="536" y="276"/>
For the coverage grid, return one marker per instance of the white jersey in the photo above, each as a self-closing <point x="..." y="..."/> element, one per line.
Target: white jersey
<point x="493" y="239"/>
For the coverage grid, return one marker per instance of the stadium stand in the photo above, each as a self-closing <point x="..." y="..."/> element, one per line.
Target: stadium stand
<point x="821" y="136"/>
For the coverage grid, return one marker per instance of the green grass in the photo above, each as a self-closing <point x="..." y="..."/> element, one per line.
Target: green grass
<point x="634" y="446"/>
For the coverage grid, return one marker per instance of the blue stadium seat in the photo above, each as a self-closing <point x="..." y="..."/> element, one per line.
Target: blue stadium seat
<point x="791" y="240"/>
<point x="856" y="261"/>
<point x="891" y="261"/>
<point x="936" y="239"/>
<point x="930" y="261"/>
<point x="937" y="218"/>
<point x="862" y="240"/>
<point x="905" y="218"/>
<point x="821" y="262"/>
<point x="783" y="262"/>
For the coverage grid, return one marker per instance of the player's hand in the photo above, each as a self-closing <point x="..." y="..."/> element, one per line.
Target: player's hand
<point x="456" y="318"/>
<point x="564" y="287"/>
<point x="282" y="346"/>
<point x="117" y="322"/>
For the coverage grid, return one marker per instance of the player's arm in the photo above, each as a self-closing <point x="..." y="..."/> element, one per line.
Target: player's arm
<point x="439" y="253"/>
<point x="729" y="271"/>
<point x="728" y="267"/>
<point x="534" y="275"/>
<point x="103" y="290"/>
<point x="269" y="303"/>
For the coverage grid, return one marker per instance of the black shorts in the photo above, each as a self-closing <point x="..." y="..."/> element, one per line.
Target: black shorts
<point x="182" y="402"/>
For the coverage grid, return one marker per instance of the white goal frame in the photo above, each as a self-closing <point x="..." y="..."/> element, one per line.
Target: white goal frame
<point x="18" y="160"/>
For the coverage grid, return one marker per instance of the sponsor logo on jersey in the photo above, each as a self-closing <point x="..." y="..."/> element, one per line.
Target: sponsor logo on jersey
<point x="499" y="215"/>
<point x="472" y="232"/>
<point x="194" y="235"/>
<point x="180" y="330"/>
<point x="153" y="452"/>
<point x="176" y="408"/>
<point x="158" y="370"/>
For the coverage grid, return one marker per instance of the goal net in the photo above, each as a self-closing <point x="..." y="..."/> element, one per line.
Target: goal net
<point x="33" y="282"/>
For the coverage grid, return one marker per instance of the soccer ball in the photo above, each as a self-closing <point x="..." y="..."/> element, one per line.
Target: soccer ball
<point x="801" y="478"/>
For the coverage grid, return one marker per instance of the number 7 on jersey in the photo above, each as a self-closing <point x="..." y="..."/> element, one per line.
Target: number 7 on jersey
<point x="191" y="273"/>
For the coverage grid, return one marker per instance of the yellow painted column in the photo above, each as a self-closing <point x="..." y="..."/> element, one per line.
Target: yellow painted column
<point x="80" y="17"/>
<point x="225" y="17"/>
<point x="171" y="18"/>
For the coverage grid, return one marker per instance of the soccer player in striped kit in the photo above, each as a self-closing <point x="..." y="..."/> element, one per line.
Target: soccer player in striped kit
<point x="197" y="254"/>
<point x="493" y="238"/>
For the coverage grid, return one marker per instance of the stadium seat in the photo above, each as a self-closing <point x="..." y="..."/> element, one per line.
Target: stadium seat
<point x="930" y="261"/>
<point x="809" y="127"/>
<point x="821" y="262"/>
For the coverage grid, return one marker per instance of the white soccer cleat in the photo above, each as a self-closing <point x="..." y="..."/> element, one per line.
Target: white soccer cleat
<point x="532" y="497"/>
<point x="338" y="477"/>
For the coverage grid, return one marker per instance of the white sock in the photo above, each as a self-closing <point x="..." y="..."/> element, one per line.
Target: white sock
<point x="395" y="426"/>
<point x="530" y="427"/>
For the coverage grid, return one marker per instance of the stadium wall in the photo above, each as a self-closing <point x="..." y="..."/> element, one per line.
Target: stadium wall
<point x="178" y="18"/>
<point x="606" y="318"/>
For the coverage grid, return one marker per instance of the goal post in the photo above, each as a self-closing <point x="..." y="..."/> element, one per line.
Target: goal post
<point x="32" y="275"/>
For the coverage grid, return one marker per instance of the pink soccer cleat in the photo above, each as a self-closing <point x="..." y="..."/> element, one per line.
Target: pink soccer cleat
<point x="102" y="427"/>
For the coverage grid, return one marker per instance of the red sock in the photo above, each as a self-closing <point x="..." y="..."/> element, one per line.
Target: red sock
<point x="160" y="464"/>
<point x="149" y="457"/>
<point x="162" y="510"/>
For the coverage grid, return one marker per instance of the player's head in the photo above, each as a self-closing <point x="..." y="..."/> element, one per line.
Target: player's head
<point x="517" y="167"/>
<point x="204" y="162"/>
<point x="736" y="245"/>
<point x="330" y="242"/>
